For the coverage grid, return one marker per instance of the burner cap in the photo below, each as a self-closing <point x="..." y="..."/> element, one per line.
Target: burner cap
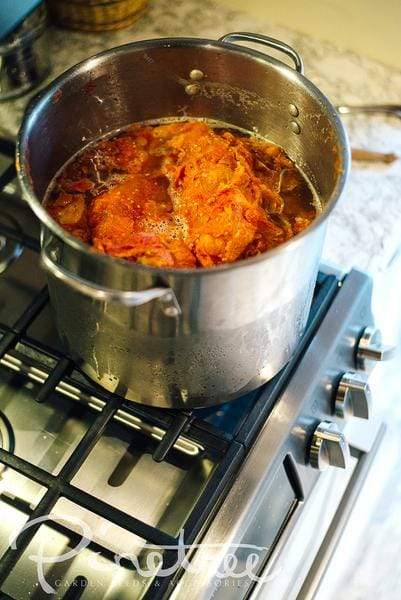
<point x="10" y="250"/>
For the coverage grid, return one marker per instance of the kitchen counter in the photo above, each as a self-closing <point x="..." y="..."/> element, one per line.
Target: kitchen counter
<point x="364" y="231"/>
<point x="376" y="33"/>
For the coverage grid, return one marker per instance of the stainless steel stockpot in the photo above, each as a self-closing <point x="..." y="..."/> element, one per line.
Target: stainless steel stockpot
<point x="182" y="337"/>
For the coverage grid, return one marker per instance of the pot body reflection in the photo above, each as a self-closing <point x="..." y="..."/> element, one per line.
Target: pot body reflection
<point x="209" y="335"/>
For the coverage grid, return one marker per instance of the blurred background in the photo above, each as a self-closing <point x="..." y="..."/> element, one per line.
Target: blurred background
<point x="361" y="27"/>
<point x="364" y="26"/>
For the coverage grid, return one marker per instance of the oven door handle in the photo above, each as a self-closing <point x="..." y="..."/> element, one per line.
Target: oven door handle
<point x="330" y="542"/>
<point x="105" y="294"/>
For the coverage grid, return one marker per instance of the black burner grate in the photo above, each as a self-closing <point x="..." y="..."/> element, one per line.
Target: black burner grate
<point x="228" y="437"/>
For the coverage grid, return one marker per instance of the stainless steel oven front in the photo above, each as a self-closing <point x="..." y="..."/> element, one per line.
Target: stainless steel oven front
<point x="275" y="531"/>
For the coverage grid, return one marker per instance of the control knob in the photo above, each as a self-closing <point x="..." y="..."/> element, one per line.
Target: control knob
<point x="370" y="349"/>
<point x="353" y="397"/>
<point x="328" y="447"/>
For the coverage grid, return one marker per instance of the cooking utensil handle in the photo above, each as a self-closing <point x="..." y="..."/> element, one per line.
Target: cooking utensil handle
<point x="372" y="156"/>
<point x="257" y="38"/>
<point x="394" y="109"/>
<point x="104" y="294"/>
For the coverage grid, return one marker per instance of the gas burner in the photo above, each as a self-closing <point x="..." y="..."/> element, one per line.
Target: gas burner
<point x="10" y="250"/>
<point x="7" y="440"/>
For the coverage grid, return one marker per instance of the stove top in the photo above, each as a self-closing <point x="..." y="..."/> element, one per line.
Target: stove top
<point x="116" y="477"/>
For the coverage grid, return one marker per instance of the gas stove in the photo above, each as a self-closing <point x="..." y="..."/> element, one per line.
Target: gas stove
<point x="103" y="498"/>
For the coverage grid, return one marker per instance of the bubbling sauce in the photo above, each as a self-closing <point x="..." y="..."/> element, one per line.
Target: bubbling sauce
<point x="181" y="194"/>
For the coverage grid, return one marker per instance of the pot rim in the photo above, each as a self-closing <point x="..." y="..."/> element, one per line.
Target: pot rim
<point x="86" y="65"/>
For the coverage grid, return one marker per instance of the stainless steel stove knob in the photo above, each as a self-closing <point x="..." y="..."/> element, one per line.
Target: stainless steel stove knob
<point x="370" y="349"/>
<point x="328" y="448"/>
<point x="353" y="397"/>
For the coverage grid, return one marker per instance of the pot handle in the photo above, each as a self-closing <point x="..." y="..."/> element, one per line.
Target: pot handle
<point x="257" y="38"/>
<point x="104" y="294"/>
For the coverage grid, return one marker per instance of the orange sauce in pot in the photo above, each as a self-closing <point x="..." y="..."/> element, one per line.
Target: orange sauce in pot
<point x="182" y="194"/>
